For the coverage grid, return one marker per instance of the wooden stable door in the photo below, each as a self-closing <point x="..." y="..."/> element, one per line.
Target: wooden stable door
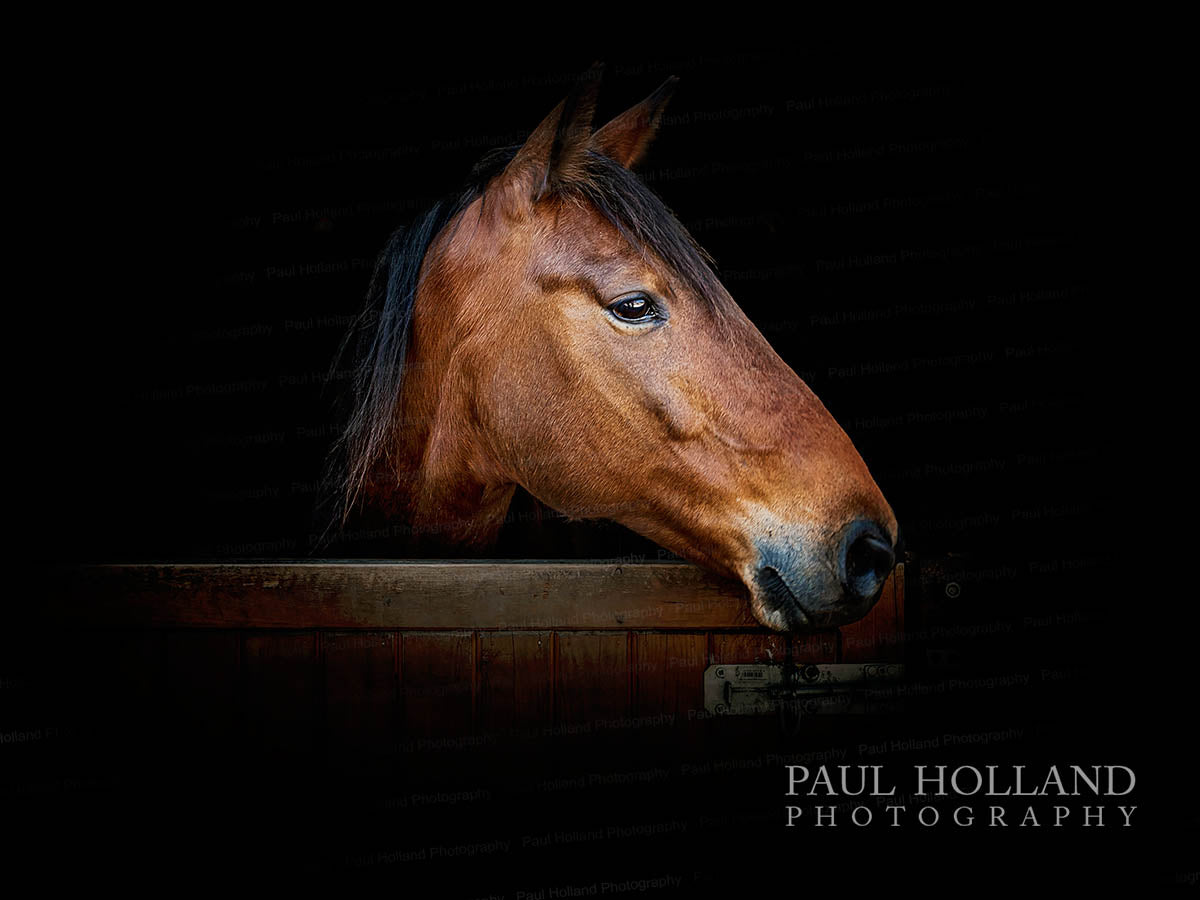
<point x="362" y="654"/>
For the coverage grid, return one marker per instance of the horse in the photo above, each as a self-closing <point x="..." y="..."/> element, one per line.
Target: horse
<point x="553" y="326"/>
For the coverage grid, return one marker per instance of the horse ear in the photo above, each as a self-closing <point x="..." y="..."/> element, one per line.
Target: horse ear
<point x="626" y="137"/>
<point x="554" y="151"/>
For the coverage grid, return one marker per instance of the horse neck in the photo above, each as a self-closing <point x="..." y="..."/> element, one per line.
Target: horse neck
<point x="439" y="476"/>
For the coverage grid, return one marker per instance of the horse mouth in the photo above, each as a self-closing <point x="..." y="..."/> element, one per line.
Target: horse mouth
<point x="784" y="601"/>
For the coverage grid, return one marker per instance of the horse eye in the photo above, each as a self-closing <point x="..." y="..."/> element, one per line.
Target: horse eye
<point x="637" y="308"/>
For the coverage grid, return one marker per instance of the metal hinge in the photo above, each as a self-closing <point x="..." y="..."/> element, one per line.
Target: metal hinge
<point x="812" y="688"/>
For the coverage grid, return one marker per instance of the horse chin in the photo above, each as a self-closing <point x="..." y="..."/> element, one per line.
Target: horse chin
<point x="790" y="615"/>
<point x="778" y="607"/>
<point x="779" y="618"/>
<point x="774" y="604"/>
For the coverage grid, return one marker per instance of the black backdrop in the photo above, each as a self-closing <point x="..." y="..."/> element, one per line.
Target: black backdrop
<point x="922" y="243"/>
<point x="936" y="243"/>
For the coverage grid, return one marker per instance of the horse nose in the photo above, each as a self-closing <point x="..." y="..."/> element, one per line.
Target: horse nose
<point x="867" y="560"/>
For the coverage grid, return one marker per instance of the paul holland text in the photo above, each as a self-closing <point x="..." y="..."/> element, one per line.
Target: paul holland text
<point x="960" y="796"/>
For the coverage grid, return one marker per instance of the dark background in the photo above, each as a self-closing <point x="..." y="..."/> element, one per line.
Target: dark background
<point x="928" y="245"/>
<point x="941" y="244"/>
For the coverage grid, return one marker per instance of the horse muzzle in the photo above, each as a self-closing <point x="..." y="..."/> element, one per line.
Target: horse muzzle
<point x="800" y="583"/>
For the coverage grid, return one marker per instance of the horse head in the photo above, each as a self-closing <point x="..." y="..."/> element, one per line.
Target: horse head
<point x="555" y="327"/>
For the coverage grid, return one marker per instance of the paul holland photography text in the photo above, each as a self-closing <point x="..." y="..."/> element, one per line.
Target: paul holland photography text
<point x="1015" y="796"/>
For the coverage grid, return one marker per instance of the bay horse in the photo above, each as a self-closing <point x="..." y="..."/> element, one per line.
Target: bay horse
<point x="554" y="326"/>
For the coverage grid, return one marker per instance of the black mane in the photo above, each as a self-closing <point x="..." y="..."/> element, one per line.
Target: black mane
<point x="379" y="337"/>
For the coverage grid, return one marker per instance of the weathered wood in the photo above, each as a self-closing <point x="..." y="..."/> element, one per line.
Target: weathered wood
<point x="748" y="648"/>
<point x="281" y="699"/>
<point x="818" y="647"/>
<point x="366" y="658"/>
<point x="515" y="678"/>
<point x="669" y="674"/>
<point x="433" y="595"/>
<point x="593" y="677"/>
<point x="401" y="595"/>
<point x="437" y="679"/>
<point x="203" y="682"/>
<point x="361" y="702"/>
<point x="880" y="634"/>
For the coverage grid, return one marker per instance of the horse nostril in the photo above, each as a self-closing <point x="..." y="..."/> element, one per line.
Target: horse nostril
<point x="868" y="561"/>
<point x="868" y="556"/>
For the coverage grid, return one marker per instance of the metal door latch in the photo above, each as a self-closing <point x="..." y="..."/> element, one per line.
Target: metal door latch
<point x="762" y="688"/>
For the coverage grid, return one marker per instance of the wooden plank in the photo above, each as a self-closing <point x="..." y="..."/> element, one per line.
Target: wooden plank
<point x="475" y="595"/>
<point x="748" y="648"/>
<point x="203" y="680"/>
<point x="515" y="675"/>
<point x="593" y="676"/>
<point x="361" y="699"/>
<point x="818" y="647"/>
<point x="437" y="675"/>
<point x="880" y="634"/>
<point x="281" y="696"/>
<point x="669" y="674"/>
<point x="401" y="595"/>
